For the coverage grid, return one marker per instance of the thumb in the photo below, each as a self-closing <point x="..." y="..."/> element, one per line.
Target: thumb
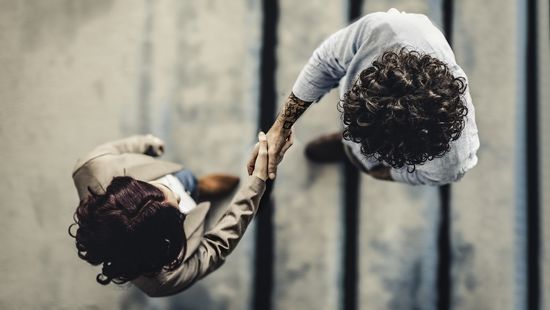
<point x="260" y="169"/>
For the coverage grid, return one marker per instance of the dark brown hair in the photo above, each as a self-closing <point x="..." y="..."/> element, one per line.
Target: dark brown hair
<point x="130" y="229"/>
<point x="405" y="109"/>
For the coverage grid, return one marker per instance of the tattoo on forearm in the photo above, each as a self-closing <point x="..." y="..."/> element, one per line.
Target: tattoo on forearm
<point x="292" y="110"/>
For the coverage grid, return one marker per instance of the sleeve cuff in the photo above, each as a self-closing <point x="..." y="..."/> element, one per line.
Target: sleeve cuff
<point x="312" y="84"/>
<point x="256" y="184"/>
<point x="306" y="92"/>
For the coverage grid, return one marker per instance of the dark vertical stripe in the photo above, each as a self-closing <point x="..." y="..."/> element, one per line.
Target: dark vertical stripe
<point x="444" y="283"/>
<point x="263" y="263"/>
<point x="532" y="164"/>
<point x="351" y="233"/>
<point x="444" y="249"/>
<point x="355" y="8"/>
<point x="351" y="210"/>
<point x="448" y="14"/>
<point x="263" y="277"/>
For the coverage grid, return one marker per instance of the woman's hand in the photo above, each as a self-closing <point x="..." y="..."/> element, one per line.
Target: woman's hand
<point x="154" y="146"/>
<point x="261" y="162"/>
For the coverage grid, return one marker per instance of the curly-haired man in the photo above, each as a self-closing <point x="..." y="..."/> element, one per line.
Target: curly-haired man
<point x="405" y="103"/>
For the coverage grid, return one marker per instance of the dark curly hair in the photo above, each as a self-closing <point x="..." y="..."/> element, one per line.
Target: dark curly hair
<point x="405" y="109"/>
<point x="130" y="229"/>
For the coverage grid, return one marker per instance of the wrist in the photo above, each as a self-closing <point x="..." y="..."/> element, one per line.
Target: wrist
<point x="282" y="125"/>
<point x="260" y="176"/>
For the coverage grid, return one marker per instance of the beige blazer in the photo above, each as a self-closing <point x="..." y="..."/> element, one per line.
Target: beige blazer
<point x="206" y="251"/>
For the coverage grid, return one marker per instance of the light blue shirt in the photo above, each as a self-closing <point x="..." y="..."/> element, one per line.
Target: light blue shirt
<point x="341" y="58"/>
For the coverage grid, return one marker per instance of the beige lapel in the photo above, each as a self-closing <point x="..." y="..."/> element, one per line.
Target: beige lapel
<point x="194" y="227"/>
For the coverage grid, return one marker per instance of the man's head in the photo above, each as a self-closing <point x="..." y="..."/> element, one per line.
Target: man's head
<point x="133" y="229"/>
<point x="405" y="109"/>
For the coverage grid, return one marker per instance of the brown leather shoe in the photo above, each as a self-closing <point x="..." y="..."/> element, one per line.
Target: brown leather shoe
<point x="216" y="186"/>
<point x="326" y="149"/>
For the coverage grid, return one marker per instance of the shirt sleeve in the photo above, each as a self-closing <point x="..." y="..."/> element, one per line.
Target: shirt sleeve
<point x="330" y="61"/>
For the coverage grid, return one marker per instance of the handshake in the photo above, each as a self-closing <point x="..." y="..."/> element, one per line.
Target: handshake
<point x="263" y="161"/>
<point x="267" y="155"/>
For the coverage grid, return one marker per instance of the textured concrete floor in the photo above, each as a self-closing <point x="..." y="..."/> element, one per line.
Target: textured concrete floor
<point x="78" y="73"/>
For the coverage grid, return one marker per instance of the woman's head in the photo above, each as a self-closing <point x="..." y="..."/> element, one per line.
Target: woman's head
<point x="131" y="230"/>
<point x="405" y="109"/>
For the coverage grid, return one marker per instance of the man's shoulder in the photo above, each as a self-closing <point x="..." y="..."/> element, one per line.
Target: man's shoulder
<point x="414" y="28"/>
<point x="394" y="17"/>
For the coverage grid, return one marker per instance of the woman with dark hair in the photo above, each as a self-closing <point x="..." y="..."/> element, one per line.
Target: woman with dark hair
<point x="405" y="102"/>
<point x="139" y="219"/>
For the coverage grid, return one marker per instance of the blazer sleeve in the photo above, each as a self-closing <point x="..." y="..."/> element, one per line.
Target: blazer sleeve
<point x="330" y="61"/>
<point x="216" y="245"/>
<point x="139" y="144"/>
<point x="98" y="167"/>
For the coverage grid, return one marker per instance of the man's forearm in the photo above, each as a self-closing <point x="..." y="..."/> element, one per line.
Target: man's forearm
<point x="292" y="110"/>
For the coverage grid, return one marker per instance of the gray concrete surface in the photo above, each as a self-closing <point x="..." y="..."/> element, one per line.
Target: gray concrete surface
<point x="486" y="248"/>
<point x="69" y="74"/>
<point x="78" y="73"/>
<point x="308" y="200"/>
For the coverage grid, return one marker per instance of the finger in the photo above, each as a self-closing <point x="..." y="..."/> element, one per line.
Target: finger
<point x="272" y="166"/>
<point x="260" y="168"/>
<point x="252" y="159"/>
<point x="262" y="151"/>
<point x="272" y="161"/>
<point x="288" y="143"/>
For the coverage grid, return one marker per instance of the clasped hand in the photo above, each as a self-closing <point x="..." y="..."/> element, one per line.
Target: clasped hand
<point x="266" y="155"/>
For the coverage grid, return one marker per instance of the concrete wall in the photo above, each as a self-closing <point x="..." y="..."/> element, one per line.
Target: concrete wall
<point x="78" y="73"/>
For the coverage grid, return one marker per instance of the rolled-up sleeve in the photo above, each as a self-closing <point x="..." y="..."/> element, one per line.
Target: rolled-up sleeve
<point x="330" y="61"/>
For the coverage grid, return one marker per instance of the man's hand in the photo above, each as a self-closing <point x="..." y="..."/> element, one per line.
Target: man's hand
<point x="260" y="164"/>
<point x="280" y="133"/>
<point x="278" y="142"/>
